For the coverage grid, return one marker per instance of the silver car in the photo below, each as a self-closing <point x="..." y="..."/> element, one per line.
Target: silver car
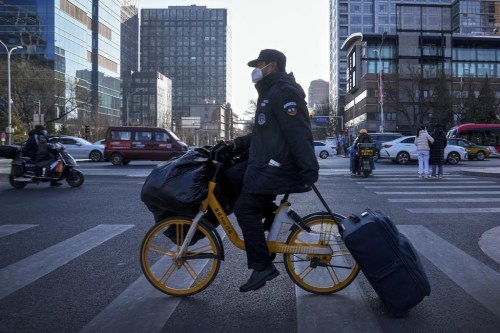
<point x="80" y="148"/>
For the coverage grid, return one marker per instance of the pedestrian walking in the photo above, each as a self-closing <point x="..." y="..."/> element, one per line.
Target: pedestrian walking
<point x="436" y="159"/>
<point x="423" y="141"/>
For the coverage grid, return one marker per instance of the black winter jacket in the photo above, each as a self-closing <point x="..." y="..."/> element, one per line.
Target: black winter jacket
<point x="281" y="151"/>
<point x="437" y="148"/>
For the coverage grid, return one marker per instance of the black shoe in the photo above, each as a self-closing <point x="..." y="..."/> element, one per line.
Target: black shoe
<point x="54" y="183"/>
<point x="259" y="278"/>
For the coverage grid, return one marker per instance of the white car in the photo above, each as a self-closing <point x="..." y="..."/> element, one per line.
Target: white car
<point x="80" y="148"/>
<point x="404" y="150"/>
<point x="324" y="150"/>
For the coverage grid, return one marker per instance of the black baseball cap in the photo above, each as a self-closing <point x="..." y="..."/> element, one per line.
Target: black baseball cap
<point x="270" y="55"/>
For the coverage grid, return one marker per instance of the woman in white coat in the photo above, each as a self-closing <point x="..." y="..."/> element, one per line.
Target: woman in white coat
<point x="423" y="141"/>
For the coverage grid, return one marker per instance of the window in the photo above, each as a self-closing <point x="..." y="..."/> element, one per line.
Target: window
<point x="121" y="135"/>
<point x="160" y="136"/>
<point x="143" y="136"/>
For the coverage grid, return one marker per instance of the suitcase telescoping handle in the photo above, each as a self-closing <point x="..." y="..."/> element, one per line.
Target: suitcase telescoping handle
<point x="315" y="189"/>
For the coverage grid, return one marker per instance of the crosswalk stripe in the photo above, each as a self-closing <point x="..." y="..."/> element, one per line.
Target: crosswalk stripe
<point x="347" y="312"/>
<point x="28" y="270"/>
<point x="141" y="308"/>
<point x="9" y="229"/>
<point x="434" y="186"/>
<point x="414" y="182"/>
<point x="440" y="192"/>
<point x="474" y="277"/>
<point x="453" y="210"/>
<point x="447" y="200"/>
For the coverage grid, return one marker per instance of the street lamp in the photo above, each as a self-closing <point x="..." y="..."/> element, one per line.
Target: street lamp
<point x="128" y="102"/>
<point x="381" y="82"/>
<point x="9" y="52"/>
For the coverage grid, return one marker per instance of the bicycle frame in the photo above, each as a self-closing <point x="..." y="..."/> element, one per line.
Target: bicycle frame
<point x="281" y="219"/>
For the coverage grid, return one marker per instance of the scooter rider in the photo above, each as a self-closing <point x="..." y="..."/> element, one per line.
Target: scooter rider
<point x="37" y="149"/>
<point x="363" y="137"/>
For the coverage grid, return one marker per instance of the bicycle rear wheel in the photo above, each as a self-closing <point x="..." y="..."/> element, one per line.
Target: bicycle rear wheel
<point x="320" y="274"/>
<point x="188" y="274"/>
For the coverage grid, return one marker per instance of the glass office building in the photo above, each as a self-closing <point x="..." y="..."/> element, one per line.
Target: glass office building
<point x="79" y="41"/>
<point x="363" y="16"/>
<point x="191" y="45"/>
<point x="472" y="17"/>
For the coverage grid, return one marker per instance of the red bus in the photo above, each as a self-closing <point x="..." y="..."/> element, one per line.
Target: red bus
<point x="481" y="134"/>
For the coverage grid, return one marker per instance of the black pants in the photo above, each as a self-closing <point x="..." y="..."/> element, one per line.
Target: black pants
<point x="249" y="210"/>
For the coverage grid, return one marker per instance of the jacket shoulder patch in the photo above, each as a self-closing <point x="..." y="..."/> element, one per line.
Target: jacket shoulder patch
<point x="290" y="108"/>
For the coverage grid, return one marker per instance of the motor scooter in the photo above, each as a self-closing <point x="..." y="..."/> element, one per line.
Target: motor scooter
<point x="365" y="153"/>
<point x="24" y="171"/>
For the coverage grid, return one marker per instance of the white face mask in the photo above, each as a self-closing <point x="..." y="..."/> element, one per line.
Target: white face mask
<point x="257" y="73"/>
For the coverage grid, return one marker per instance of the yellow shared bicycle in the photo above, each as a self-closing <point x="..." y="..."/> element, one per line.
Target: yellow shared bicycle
<point x="314" y="255"/>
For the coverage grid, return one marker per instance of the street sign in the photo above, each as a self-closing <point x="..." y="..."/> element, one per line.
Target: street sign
<point x="321" y="119"/>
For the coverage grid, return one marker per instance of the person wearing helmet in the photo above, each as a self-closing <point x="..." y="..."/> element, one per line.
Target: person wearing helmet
<point x="363" y="137"/>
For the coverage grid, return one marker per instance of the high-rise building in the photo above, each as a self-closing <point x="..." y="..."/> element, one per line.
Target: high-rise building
<point x="149" y="101"/>
<point x="191" y="45"/>
<point x="317" y="95"/>
<point x="379" y="19"/>
<point x="363" y="16"/>
<point x="425" y="73"/>
<point x="78" y="44"/>
<point x="129" y="19"/>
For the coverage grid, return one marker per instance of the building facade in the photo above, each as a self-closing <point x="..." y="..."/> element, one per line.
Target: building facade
<point x="149" y="102"/>
<point x="191" y="45"/>
<point x="78" y="45"/>
<point x="129" y="18"/>
<point x="374" y="17"/>
<point x="317" y="94"/>
<point x="424" y="73"/>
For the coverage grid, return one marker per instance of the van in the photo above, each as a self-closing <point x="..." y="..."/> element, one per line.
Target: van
<point x="126" y="143"/>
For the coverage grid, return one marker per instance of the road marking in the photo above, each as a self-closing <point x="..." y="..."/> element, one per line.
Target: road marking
<point x="489" y="243"/>
<point x="447" y="200"/>
<point x="413" y="182"/>
<point x="28" y="270"/>
<point x="474" y="277"/>
<point x="9" y="229"/>
<point x="415" y="179"/>
<point x="453" y="210"/>
<point x="435" y="186"/>
<point x="346" y="311"/>
<point x="440" y="192"/>
<point x="141" y="307"/>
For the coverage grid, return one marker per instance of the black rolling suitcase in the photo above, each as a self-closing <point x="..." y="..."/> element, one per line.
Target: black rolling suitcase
<point x="387" y="259"/>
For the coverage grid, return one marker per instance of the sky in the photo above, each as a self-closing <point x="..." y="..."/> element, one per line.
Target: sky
<point x="298" y="28"/>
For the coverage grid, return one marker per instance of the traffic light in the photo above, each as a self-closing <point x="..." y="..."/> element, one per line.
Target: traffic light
<point x="87" y="129"/>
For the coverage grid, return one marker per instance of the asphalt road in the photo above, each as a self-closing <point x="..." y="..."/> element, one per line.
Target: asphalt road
<point x="70" y="263"/>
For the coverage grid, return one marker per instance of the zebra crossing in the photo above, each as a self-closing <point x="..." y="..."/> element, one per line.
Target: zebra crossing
<point x="141" y="308"/>
<point x="402" y="188"/>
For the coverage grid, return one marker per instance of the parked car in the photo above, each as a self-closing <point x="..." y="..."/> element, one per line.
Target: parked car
<point x="473" y="150"/>
<point x="403" y="150"/>
<point x="379" y="138"/>
<point x="324" y="150"/>
<point x="80" y="148"/>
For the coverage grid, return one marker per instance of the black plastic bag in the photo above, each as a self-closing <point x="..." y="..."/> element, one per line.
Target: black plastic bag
<point x="178" y="185"/>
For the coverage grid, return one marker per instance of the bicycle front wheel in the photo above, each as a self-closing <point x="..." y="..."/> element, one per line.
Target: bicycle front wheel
<point x="320" y="274"/>
<point x="183" y="275"/>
